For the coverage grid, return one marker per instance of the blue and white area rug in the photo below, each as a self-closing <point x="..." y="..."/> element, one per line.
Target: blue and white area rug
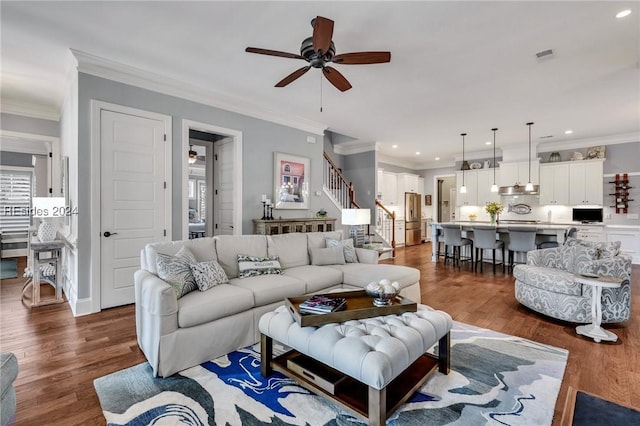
<point x="495" y="379"/>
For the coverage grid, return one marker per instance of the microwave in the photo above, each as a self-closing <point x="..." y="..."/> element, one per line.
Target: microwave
<point x="587" y="215"/>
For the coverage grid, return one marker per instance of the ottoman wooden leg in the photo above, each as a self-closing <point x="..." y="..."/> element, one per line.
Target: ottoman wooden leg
<point x="266" y="353"/>
<point x="444" y="350"/>
<point x="377" y="406"/>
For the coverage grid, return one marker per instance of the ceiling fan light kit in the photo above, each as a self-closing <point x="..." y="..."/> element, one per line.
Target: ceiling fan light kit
<point x="319" y="50"/>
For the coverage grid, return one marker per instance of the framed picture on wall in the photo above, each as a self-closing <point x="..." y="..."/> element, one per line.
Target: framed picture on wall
<point x="291" y="184"/>
<point x="427" y="200"/>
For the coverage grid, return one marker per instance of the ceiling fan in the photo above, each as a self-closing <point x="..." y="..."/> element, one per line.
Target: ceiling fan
<point x="319" y="50"/>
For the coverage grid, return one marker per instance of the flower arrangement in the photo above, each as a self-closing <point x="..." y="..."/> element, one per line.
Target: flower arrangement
<point x="494" y="208"/>
<point x="472" y="216"/>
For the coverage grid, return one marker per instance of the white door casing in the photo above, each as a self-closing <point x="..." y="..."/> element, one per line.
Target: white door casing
<point x="135" y="206"/>
<point x="223" y="187"/>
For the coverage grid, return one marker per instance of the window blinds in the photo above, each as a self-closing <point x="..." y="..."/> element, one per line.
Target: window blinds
<point x="15" y="200"/>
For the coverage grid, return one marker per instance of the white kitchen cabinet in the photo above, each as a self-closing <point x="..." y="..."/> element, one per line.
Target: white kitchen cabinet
<point x="594" y="234"/>
<point x="407" y="182"/>
<point x="484" y="182"/>
<point x="399" y="232"/>
<point x="518" y="172"/>
<point x="629" y="238"/>
<point x="586" y="182"/>
<point x="471" y="182"/>
<point x="388" y="188"/>
<point x="554" y="184"/>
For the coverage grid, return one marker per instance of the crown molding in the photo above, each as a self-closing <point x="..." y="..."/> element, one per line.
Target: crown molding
<point x="354" y="147"/>
<point x="28" y="109"/>
<point x="587" y="142"/>
<point x="126" y="74"/>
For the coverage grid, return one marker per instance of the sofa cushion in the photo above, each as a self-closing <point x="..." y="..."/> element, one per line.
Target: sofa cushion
<point x="250" y="266"/>
<point x="270" y="288"/>
<point x="291" y="249"/>
<point x="550" y="279"/>
<point x="201" y="248"/>
<point x="347" y="246"/>
<point x="228" y="247"/>
<point x="219" y="302"/>
<point x="327" y="256"/>
<point x="208" y="274"/>
<point x="361" y="274"/>
<point x="176" y="271"/>
<point x="316" y="277"/>
<point x="317" y="239"/>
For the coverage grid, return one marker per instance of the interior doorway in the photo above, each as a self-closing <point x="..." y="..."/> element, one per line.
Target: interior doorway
<point x="446" y="198"/>
<point x="212" y="180"/>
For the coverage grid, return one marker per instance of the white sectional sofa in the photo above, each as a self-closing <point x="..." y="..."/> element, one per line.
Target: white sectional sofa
<point x="177" y="333"/>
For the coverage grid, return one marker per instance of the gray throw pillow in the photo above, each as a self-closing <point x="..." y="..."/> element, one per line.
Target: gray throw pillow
<point x="208" y="274"/>
<point x="250" y="266"/>
<point x="176" y="271"/>
<point x="327" y="256"/>
<point x="350" y="255"/>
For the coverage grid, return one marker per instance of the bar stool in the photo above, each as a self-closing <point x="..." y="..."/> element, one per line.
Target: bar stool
<point x="439" y="240"/>
<point x="521" y="240"/>
<point x="484" y="238"/>
<point x="453" y="238"/>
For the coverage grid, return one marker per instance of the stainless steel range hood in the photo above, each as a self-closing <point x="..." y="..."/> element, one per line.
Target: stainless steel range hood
<point x="518" y="190"/>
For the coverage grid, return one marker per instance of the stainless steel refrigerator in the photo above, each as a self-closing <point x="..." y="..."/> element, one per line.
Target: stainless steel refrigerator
<point x="412" y="217"/>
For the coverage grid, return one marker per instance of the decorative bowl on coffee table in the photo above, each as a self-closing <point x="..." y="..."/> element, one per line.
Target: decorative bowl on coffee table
<point x="382" y="292"/>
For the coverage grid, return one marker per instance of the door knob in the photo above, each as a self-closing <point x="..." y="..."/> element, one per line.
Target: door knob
<point x="108" y="234"/>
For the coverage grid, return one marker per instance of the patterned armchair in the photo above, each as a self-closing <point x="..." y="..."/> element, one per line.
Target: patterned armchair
<point x="547" y="284"/>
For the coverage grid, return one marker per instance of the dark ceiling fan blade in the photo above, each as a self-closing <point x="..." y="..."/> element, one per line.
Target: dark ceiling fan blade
<point x="322" y="33"/>
<point x="293" y="76"/>
<point x="361" y="58"/>
<point x="272" y="53"/>
<point x="336" y="79"/>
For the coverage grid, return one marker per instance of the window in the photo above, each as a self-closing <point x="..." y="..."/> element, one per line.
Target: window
<point x="15" y="198"/>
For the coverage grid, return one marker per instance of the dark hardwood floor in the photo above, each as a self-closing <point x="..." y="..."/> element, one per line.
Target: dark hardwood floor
<point x="60" y="356"/>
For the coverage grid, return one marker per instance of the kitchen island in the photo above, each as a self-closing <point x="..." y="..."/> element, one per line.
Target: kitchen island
<point x="549" y="231"/>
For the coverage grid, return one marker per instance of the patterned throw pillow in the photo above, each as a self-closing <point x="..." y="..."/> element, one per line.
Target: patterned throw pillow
<point x="208" y="274"/>
<point x="250" y="266"/>
<point x="176" y="271"/>
<point x="347" y="245"/>
<point x="609" y="249"/>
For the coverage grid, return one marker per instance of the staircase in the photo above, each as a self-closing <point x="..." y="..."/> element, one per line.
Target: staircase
<point x="341" y="192"/>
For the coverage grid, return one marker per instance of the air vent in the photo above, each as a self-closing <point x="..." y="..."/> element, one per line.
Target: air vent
<point x="546" y="137"/>
<point x="544" y="54"/>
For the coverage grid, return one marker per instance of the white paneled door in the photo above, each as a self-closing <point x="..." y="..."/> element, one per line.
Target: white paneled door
<point x="133" y="198"/>
<point x="224" y="189"/>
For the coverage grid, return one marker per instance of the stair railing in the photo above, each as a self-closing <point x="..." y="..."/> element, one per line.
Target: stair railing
<point x="386" y="225"/>
<point x="338" y="185"/>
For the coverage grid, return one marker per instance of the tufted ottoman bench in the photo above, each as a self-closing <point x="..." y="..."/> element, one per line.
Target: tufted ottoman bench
<point x="383" y="360"/>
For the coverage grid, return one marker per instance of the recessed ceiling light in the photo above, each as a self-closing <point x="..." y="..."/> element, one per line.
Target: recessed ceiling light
<point x="417" y="152"/>
<point x="487" y="143"/>
<point x="394" y="146"/>
<point x="568" y="132"/>
<point x="623" y="13"/>
<point x="437" y="158"/>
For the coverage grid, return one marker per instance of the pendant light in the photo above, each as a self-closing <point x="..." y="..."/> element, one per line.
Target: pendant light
<point x="463" y="188"/>
<point x="494" y="187"/>
<point x="529" y="186"/>
<point x="193" y="156"/>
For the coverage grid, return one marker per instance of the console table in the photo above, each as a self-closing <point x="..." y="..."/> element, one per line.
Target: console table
<point x="40" y="251"/>
<point x="285" y="226"/>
